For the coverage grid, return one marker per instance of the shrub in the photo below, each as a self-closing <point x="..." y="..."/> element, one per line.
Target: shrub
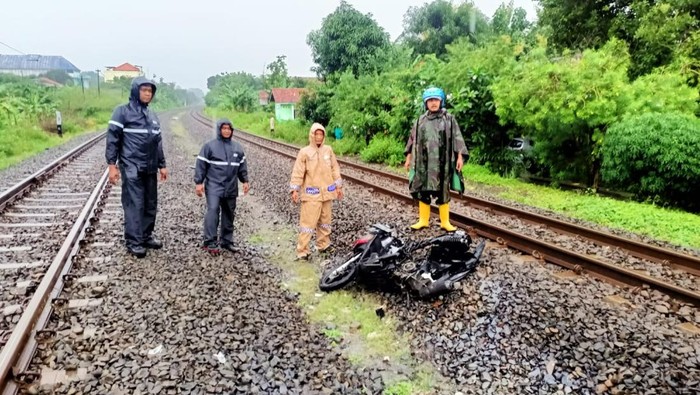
<point x="347" y="145"/>
<point x="383" y="149"/>
<point x="657" y="157"/>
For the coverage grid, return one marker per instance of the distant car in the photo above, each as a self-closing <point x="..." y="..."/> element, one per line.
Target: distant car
<point x="523" y="146"/>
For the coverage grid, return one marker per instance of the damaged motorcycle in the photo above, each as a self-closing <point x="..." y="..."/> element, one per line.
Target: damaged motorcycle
<point x="427" y="268"/>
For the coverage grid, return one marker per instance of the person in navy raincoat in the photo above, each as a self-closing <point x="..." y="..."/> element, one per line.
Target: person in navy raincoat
<point x="134" y="152"/>
<point x="221" y="164"/>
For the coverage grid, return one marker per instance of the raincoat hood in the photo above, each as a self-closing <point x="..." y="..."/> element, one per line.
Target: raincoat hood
<point x="221" y="122"/>
<point x="316" y="126"/>
<point x="136" y="84"/>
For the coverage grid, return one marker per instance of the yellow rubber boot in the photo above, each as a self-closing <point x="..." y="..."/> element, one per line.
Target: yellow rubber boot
<point x="445" y="218"/>
<point x="423" y="216"/>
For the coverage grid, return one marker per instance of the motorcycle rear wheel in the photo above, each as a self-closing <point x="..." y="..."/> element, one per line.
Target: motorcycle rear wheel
<point x="338" y="276"/>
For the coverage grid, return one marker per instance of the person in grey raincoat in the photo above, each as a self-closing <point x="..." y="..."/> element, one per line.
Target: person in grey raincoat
<point x="135" y="152"/>
<point x="220" y="165"/>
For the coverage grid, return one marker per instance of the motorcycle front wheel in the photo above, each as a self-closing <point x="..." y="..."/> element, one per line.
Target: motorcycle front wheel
<point x="340" y="275"/>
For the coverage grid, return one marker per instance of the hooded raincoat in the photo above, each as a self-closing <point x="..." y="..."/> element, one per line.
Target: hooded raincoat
<point x="316" y="177"/>
<point x="435" y="143"/>
<point x="221" y="164"/>
<point x="135" y="144"/>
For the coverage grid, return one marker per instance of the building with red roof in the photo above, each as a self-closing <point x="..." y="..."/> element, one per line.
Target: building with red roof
<point x="123" y="70"/>
<point x="286" y="101"/>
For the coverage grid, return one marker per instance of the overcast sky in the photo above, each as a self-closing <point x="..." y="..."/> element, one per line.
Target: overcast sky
<point x="189" y="41"/>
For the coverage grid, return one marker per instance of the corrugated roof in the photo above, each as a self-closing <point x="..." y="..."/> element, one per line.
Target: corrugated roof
<point x="287" y="95"/>
<point x="36" y="62"/>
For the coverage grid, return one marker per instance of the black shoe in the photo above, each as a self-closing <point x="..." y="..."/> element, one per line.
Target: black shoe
<point x="137" y="251"/>
<point x="229" y="247"/>
<point x="211" y="249"/>
<point x="153" y="243"/>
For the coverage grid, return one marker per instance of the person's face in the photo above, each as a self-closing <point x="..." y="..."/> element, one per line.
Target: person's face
<point x="433" y="105"/>
<point x="145" y="93"/>
<point x="226" y="131"/>
<point x="318" y="136"/>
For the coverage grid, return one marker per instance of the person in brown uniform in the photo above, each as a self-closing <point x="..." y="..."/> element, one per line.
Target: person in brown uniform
<point x="316" y="183"/>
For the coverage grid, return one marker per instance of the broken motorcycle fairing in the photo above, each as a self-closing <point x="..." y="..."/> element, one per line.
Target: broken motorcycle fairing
<point x="382" y="260"/>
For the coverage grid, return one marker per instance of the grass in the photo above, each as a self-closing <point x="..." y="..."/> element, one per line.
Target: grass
<point x="79" y="113"/>
<point x="333" y="334"/>
<point x="400" y="388"/>
<point x="671" y="225"/>
<point x="348" y="318"/>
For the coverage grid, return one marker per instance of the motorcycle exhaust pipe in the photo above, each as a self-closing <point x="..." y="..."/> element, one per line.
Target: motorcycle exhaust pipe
<point x="447" y="285"/>
<point x="436" y="287"/>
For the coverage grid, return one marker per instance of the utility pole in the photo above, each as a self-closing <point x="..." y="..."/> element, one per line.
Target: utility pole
<point x="98" y="81"/>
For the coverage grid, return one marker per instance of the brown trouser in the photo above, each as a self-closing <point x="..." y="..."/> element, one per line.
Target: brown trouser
<point x="314" y="217"/>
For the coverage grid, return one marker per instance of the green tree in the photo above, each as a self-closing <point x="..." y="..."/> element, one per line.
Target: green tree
<point x="658" y="33"/>
<point x="508" y="20"/>
<point x="581" y="24"/>
<point x="569" y="103"/>
<point x="278" y="77"/>
<point x="665" y="31"/>
<point x="430" y="28"/>
<point x="348" y="41"/>
<point x="235" y="91"/>
<point x="467" y="75"/>
<point x="214" y="79"/>
<point x="315" y="105"/>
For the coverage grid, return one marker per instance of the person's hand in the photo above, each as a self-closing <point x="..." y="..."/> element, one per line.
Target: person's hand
<point x="295" y="197"/>
<point x="340" y="193"/>
<point x="113" y="174"/>
<point x="199" y="190"/>
<point x="407" y="164"/>
<point x="163" y="174"/>
<point x="246" y="188"/>
<point x="460" y="162"/>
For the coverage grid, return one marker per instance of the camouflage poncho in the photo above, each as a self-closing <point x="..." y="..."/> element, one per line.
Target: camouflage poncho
<point x="434" y="144"/>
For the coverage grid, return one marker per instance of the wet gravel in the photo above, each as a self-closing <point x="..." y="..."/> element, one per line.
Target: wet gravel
<point x="182" y="321"/>
<point x="609" y="254"/>
<point x="15" y="173"/>
<point x="26" y="251"/>
<point x="514" y="328"/>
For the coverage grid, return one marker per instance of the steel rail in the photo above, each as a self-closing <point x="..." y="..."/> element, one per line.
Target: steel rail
<point x="665" y="256"/>
<point x="540" y="249"/>
<point x="36" y="314"/>
<point x="17" y="190"/>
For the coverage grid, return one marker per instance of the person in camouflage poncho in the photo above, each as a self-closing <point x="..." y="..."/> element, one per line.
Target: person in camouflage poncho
<point x="434" y="152"/>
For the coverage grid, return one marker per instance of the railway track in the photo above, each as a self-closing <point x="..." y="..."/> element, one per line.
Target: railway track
<point x="43" y="221"/>
<point x="50" y="215"/>
<point x="564" y="256"/>
<point x="103" y="322"/>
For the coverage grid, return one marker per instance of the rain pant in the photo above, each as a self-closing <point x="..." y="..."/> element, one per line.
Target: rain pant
<point x="134" y="143"/>
<point x="316" y="176"/>
<point x="221" y="164"/>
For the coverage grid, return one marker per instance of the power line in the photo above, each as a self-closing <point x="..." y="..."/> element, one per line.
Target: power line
<point x="14" y="49"/>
